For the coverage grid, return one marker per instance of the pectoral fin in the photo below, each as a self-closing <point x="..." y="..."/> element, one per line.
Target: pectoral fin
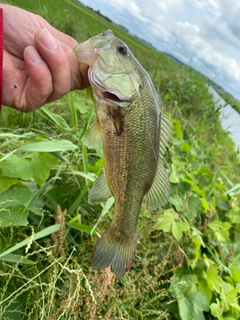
<point x="95" y="136"/>
<point x="99" y="191"/>
<point x="118" y="120"/>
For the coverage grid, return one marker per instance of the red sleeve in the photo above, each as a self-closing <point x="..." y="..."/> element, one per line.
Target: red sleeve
<point x="1" y="55"/>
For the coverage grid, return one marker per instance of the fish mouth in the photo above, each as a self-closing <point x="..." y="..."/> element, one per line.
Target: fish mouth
<point x="113" y="97"/>
<point x="103" y="92"/>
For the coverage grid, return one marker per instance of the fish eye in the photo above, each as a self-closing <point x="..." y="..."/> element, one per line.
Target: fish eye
<point x="122" y="50"/>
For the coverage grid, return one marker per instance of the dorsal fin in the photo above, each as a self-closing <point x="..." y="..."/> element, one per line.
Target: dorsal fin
<point x="160" y="190"/>
<point x="165" y="133"/>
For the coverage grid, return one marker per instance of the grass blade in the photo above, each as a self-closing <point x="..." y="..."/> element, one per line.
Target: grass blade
<point x="49" y="146"/>
<point x="41" y="234"/>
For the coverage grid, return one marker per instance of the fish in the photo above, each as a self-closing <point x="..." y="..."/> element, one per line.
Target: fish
<point x="134" y="134"/>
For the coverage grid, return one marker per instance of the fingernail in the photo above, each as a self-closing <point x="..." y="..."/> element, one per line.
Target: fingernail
<point x="33" y="55"/>
<point x="47" y="39"/>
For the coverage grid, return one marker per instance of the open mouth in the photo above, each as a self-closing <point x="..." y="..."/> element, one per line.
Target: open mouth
<point x="111" y="96"/>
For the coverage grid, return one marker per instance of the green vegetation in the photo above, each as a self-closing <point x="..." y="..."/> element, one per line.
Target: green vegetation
<point x="230" y="100"/>
<point x="188" y="260"/>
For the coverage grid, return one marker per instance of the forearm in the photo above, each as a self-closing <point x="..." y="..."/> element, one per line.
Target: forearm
<point x="1" y="54"/>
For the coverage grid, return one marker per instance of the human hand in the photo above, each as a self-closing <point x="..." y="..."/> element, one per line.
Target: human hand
<point x="39" y="64"/>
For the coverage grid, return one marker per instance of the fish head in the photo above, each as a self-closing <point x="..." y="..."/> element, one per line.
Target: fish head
<point x="115" y="74"/>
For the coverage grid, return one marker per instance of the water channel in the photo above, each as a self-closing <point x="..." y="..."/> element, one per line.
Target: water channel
<point x="230" y="118"/>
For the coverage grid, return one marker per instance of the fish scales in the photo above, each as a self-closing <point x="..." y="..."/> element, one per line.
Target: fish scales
<point x="129" y="122"/>
<point x="129" y="173"/>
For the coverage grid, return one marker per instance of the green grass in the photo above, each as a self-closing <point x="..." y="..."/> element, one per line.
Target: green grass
<point x="188" y="259"/>
<point x="230" y="100"/>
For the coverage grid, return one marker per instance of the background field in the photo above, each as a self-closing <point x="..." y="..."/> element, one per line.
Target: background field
<point x="188" y="260"/>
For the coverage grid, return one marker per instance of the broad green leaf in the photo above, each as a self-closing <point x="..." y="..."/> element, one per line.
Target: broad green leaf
<point x="220" y="229"/>
<point x="13" y="216"/>
<point x="229" y="297"/>
<point x="194" y="206"/>
<point x="234" y="216"/>
<point x="173" y="177"/>
<point x="184" y="285"/>
<point x="36" y="205"/>
<point x="204" y="288"/>
<point x="186" y="147"/>
<point x="214" y="280"/>
<point x="223" y="205"/>
<point x="41" y="165"/>
<point x="216" y="310"/>
<point x="49" y="146"/>
<point x="41" y="234"/>
<point x="16" y="259"/>
<point x="235" y="274"/>
<point x="58" y="195"/>
<point x="17" y="167"/>
<point x="195" y="187"/>
<point x="197" y="242"/>
<point x="164" y="222"/>
<point x="17" y="195"/>
<point x="177" y="201"/>
<point x="82" y="107"/>
<point x="178" y="227"/>
<point x="14" y="207"/>
<point x="232" y="295"/>
<point x="8" y="155"/>
<point x="222" y="235"/>
<point x="192" y="306"/>
<point x="6" y="183"/>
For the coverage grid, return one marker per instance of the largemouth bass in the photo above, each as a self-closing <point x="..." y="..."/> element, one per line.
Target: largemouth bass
<point x="134" y="135"/>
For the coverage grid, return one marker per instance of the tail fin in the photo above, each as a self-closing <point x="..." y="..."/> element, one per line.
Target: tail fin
<point x="115" y="250"/>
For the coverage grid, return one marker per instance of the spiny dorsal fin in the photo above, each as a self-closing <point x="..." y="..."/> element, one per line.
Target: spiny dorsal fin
<point x="99" y="191"/>
<point x="165" y="133"/>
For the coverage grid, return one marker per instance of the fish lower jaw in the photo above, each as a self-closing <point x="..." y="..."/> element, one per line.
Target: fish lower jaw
<point x="113" y="98"/>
